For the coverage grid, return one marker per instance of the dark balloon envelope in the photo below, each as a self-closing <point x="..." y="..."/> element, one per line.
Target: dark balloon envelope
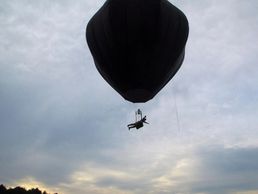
<point x="137" y="45"/>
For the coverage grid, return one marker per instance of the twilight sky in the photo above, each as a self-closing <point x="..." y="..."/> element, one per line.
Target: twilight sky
<point x="63" y="128"/>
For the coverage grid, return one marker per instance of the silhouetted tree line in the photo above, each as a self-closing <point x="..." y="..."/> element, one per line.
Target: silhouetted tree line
<point x="20" y="190"/>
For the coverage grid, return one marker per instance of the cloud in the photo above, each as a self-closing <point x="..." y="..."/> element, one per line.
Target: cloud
<point x="211" y="170"/>
<point x="226" y="170"/>
<point x="63" y="126"/>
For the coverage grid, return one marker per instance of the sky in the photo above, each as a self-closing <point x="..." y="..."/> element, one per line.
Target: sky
<point x="63" y="128"/>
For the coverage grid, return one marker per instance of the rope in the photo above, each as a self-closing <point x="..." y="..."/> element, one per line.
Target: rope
<point x="177" y="116"/>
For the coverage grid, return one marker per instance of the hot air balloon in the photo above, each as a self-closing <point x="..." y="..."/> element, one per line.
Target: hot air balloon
<point x="137" y="45"/>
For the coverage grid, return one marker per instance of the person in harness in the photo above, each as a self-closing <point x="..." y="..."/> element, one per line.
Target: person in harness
<point x="138" y="124"/>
